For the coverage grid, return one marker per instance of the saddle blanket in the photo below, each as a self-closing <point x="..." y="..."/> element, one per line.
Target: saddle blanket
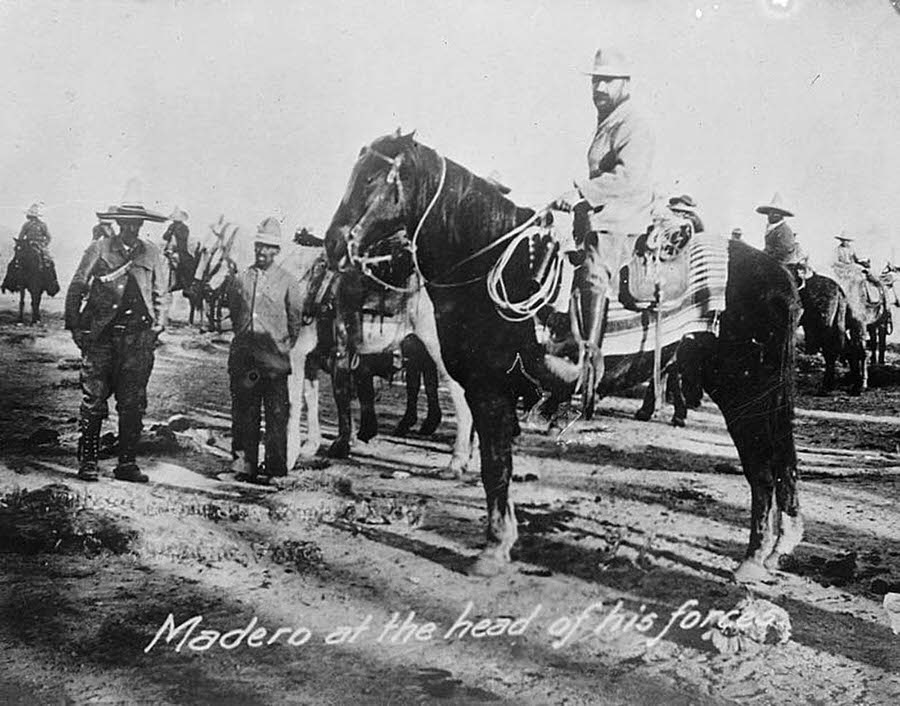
<point x="697" y="310"/>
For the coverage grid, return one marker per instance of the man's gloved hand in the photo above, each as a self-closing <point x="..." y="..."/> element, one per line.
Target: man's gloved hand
<point x="566" y="202"/>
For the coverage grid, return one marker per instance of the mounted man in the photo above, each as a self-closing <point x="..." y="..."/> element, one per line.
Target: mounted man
<point x="177" y="252"/>
<point x="32" y="268"/>
<point x="614" y="201"/>
<point x="116" y="309"/>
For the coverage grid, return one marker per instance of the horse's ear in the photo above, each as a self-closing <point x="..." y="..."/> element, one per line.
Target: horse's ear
<point x="398" y="133"/>
<point x="409" y="137"/>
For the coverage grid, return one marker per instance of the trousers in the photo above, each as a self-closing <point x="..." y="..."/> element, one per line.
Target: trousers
<point x="251" y="390"/>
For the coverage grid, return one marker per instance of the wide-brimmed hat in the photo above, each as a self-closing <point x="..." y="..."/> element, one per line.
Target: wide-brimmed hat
<point x="610" y="63"/>
<point x="776" y="206"/>
<point x="843" y="237"/>
<point x="269" y="233"/>
<point x="178" y="215"/>
<point x="683" y="204"/>
<point x="132" y="207"/>
<point x="496" y="180"/>
<point x="35" y="210"/>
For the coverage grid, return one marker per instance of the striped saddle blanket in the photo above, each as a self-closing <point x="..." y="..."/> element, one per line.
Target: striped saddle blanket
<point x="695" y="310"/>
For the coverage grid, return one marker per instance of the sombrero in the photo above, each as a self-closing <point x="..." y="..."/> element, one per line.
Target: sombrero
<point x="683" y="204"/>
<point x="843" y="237"/>
<point x="777" y="206"/>
<point x="35" y="210"/>
<point x="132" y="207"/>
<point x="178" y="215"/>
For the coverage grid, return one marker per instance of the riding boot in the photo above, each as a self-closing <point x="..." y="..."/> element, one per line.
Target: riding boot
<point x="593" y="314"/>
<point x="88" y="448"/>
<point x="129" y="434"/>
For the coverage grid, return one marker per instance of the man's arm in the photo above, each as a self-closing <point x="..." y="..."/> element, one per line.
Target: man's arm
<point x="78" y="288"/>
<point x="294" y="304"/>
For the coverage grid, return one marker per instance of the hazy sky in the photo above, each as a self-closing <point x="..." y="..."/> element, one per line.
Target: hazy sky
<point x="259" y="108"/>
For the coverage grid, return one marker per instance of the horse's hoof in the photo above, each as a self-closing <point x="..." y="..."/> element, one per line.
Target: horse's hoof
<point x="340" y="448"/>
<point x="751" y="571"/>
<point x="791" y="534"/>
<point x="447" y="473"/>
<point x="429" y="426"/>
<point x="403" y="426"/>
<point x="309" y="450"/>
<point x="773" y="561"/>
<point x="643" y="415"/>
<point x="491" y="562"/>
<point x="678" y="421"/>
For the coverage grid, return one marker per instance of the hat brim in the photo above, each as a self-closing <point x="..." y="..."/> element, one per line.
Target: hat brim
<point x="843" y="240"/>
<point x="131" y="213"/>
<point x="263" y="240"/>
<point x="774" y="209"/>
<point x="608" y="72"/>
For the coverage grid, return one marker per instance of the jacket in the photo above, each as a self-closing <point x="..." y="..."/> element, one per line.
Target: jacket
<point x="35" y="232"/>
<point x="266" y="314"/>
<point x="101" y="299"/>
<point x="620" y="162"/>
<point x="781" y="243"/>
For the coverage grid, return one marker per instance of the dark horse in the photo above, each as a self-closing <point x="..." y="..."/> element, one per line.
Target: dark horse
<point x="830" y="327"/>
<point x="181" y="278"/>
<point x="453" y="215"/>
<point x="31" y="271"/>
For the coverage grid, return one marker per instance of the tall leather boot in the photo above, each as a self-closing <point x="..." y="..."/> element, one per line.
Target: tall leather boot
<point x="593" y="314"/>
<point x="129" y="434"/>
<point x="89" y="448"/>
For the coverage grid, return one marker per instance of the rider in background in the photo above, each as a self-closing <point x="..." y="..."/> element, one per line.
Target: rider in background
<point x="686" y="207"/>
<point x="846" y="259"/>
<point x="35" y="233"/>
<point x="781" y="243"/>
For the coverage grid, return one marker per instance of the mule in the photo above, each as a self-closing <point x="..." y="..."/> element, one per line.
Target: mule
<point x="457" y="219"/>
<point x="32" y="272"/>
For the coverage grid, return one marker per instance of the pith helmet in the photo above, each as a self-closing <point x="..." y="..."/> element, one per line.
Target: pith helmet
<point x="269" y="233"/>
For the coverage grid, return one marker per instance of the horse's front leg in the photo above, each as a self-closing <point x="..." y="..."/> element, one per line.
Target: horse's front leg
<point x="494" y="413"/>
<point x="36" y="296"/>
<point x="433" y="418"/>
<point x="21" y="306"/>
<point x="365" y="391"/>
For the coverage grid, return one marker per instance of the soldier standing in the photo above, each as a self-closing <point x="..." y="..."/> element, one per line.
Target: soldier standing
<point x="116" y="308"/>
<point x="266" y="313"/>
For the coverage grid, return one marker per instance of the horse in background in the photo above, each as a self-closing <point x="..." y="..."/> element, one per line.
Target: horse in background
<point x="831" y="328"/>
<point x="879" y="332"/>
<point x="182" y="267"/>
<point x="226" y="250"/>
<point x="362" y="322"/>
<point x="30" y="271"/>
<point x="456" y="219"/>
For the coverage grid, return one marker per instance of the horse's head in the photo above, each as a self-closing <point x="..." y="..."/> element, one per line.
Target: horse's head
<point x="377" y="202"/>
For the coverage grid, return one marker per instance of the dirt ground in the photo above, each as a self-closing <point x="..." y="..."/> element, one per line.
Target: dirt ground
<point x="612" y="511"/>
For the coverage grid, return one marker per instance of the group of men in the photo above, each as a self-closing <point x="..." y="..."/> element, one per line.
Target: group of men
<point x="116" y="308"/>
<point x="116" y="304"/>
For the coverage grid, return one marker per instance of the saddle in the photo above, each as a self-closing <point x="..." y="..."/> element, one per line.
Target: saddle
<point x="873" y="292"/>
<point x="659" y="270"/>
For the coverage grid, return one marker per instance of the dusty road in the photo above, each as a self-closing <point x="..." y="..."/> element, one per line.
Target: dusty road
<point x="362" y="564"/>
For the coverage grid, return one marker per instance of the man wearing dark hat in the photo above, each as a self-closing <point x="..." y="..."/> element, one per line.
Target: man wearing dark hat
<point x="266" y="313"/>
<point x="737" y="234"/>
<point x="615" y="200"/>
<point x="781" y="243"/>
<point x="116" y="308"/>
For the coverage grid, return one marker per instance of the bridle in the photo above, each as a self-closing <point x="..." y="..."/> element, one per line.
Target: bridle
<point x="393" y="177"/>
